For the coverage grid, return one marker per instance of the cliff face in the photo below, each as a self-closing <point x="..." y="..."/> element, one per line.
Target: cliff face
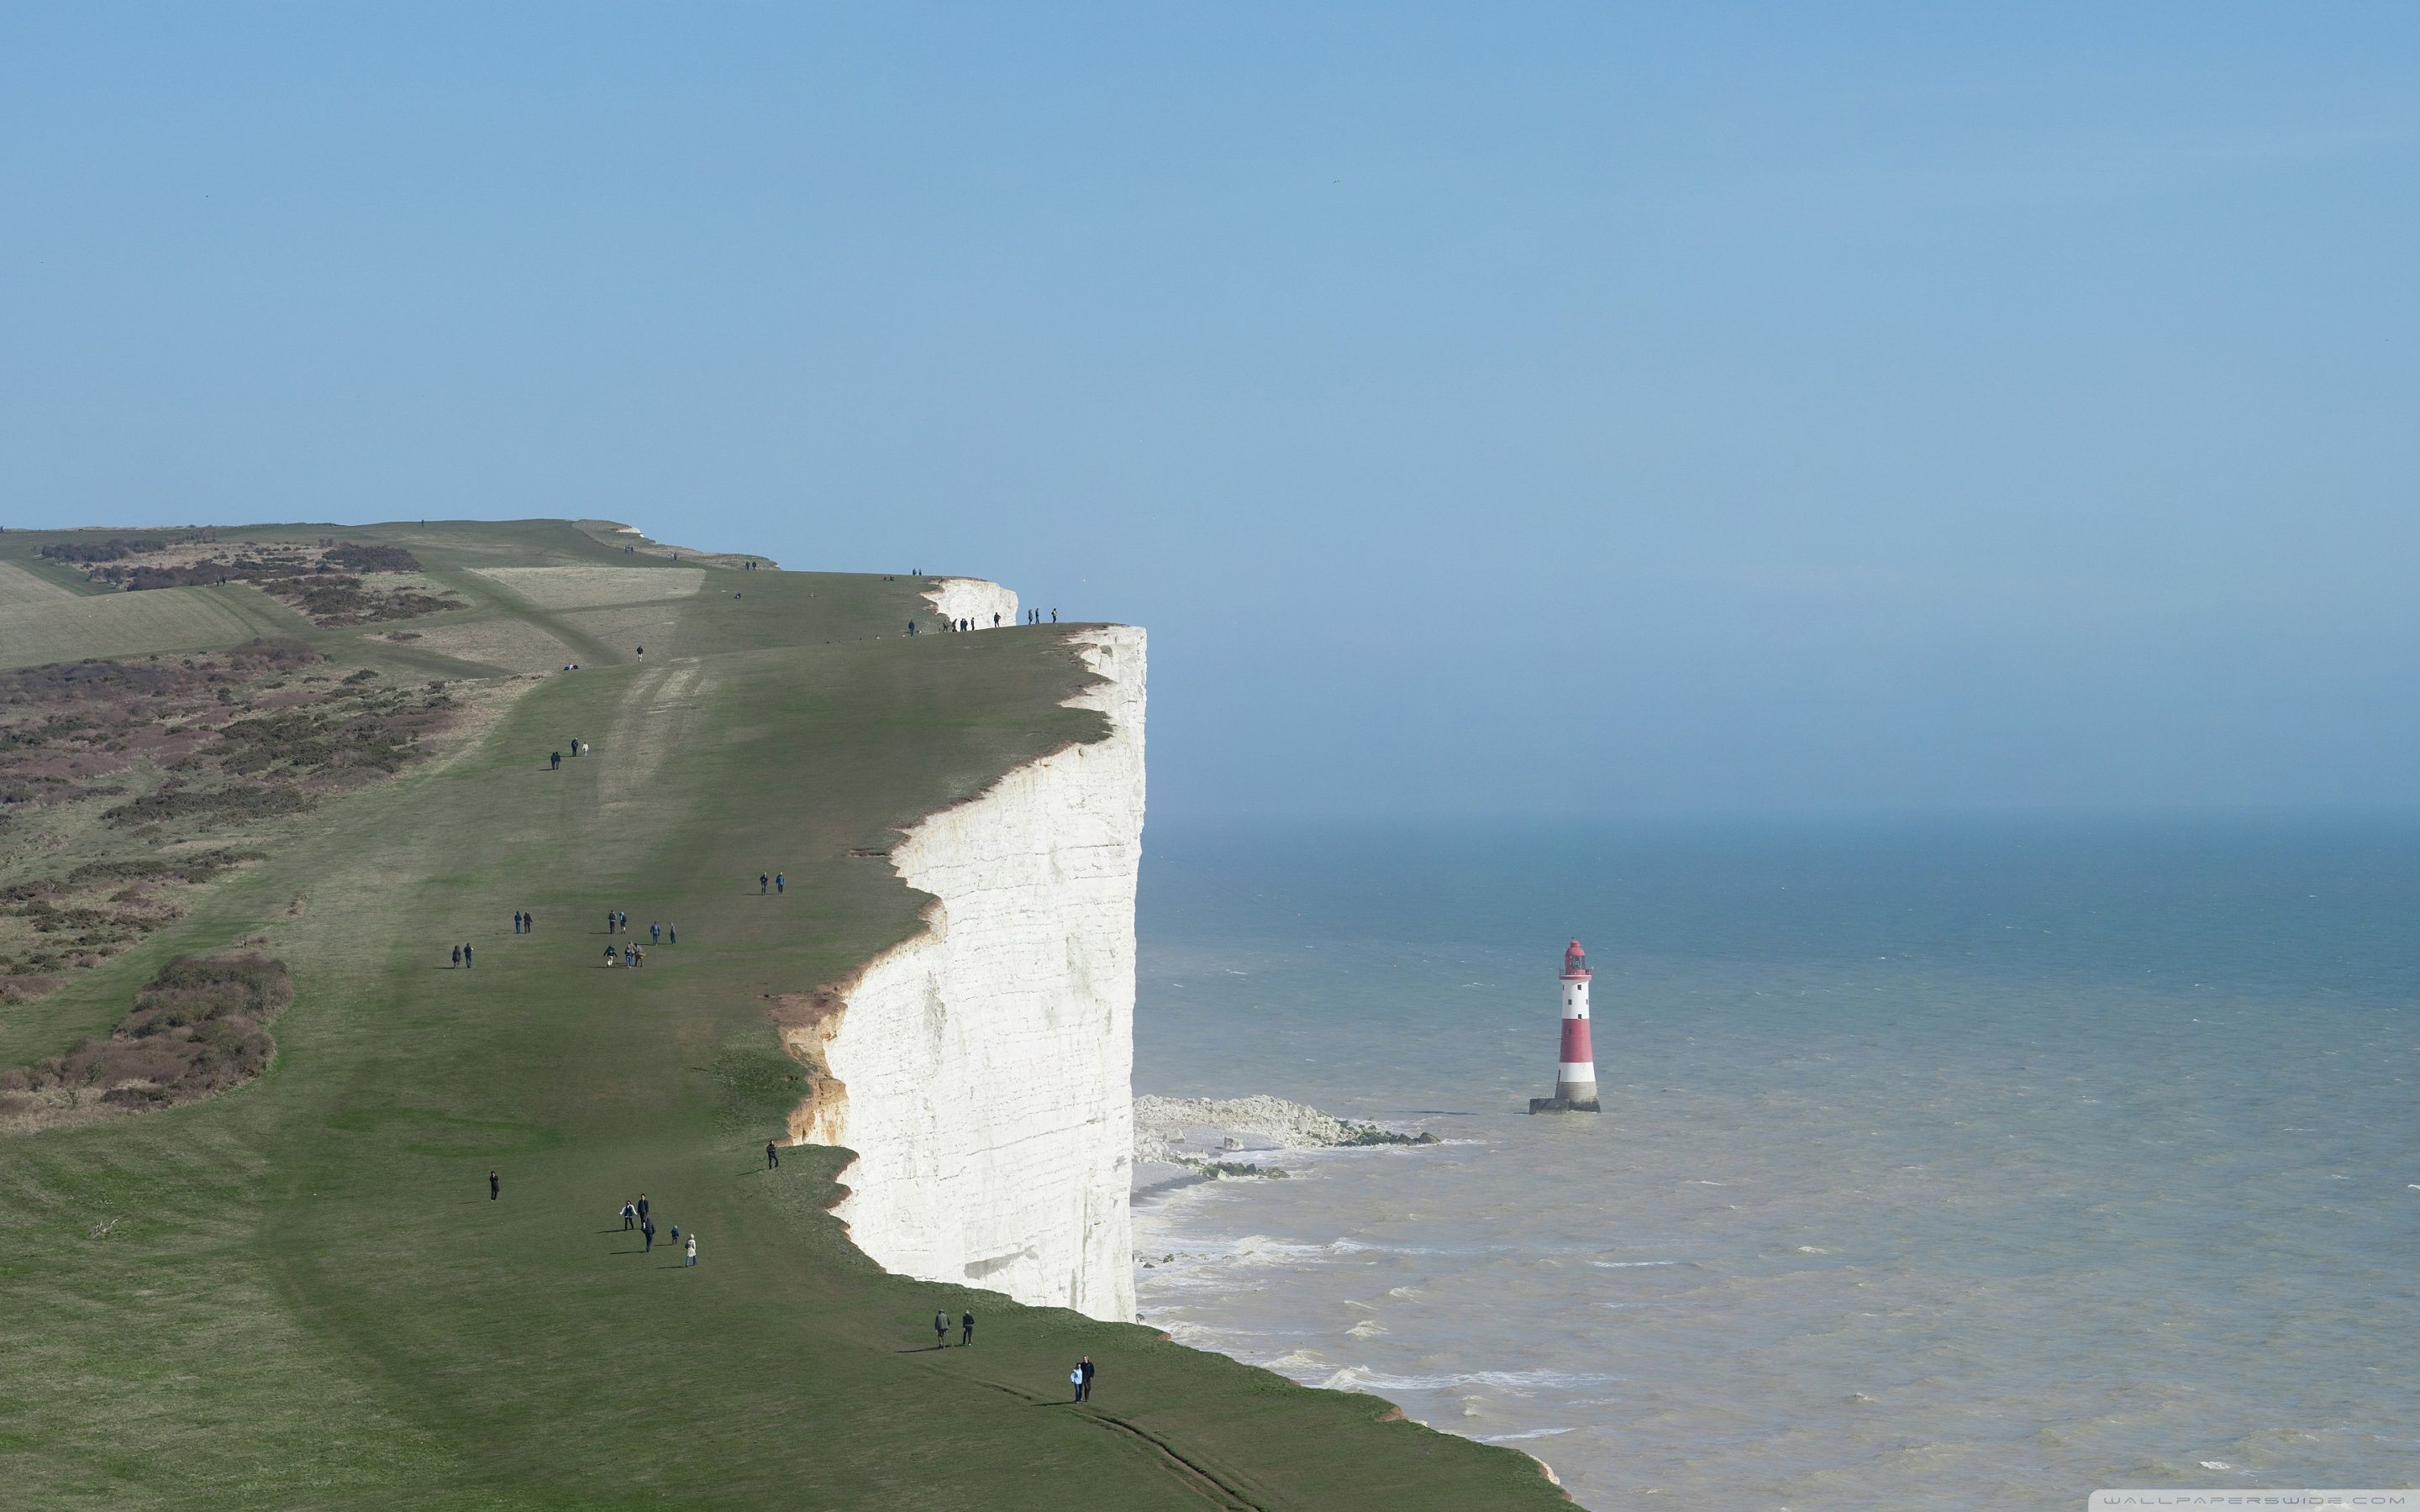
<point x="973" y="599"/>
<point x="982" y="1070"/>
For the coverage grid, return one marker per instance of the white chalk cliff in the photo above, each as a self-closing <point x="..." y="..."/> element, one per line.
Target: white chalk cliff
<point x="982" y="1071"/>
<point x="972" y="599"/>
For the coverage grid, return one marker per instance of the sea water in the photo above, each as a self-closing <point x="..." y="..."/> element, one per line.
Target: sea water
<point x="1937" y="1162"/>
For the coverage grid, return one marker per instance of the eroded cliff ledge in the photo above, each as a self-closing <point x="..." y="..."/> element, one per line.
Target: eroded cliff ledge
<point x="982" y="1071"/>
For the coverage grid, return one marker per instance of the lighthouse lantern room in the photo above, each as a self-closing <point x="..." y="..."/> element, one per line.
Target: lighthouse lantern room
<point x="1575" y="1068"/>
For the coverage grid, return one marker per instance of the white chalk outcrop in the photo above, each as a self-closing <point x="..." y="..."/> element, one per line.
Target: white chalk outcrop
<point x="972" y="599"/>
<point x="1164" y="1126"/>
<point x="982" y="1071"/>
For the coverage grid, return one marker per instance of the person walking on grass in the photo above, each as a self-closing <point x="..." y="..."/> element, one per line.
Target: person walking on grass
<point x="495" y="1186"/>
<point x="941" y="1330"/>
<point x="1076" y="1378"/>
<point x="609" y="958"/>
<point x="554" y="760"/>
<point x="762" y="883"/>
<point x="458" y="955"/>
<point x="642" y="1207"/>
<point x="466" y="957"/>
<point x="654" y="934"/>
<point x="609" y="921"/>
<point x="672" y="934"/>
<point x="529" y="922"/>
<point x="966" y="1339"/>
<point x="1085" y="1368"/>
<point x="773" y="1156"/>
<point x="693" y="1251"/>
<point x="647" y="1232"/>
<point x="781" y="883"/>
<point x="630" y="1217"/>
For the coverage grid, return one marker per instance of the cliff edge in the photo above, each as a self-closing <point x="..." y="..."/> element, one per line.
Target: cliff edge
<point x="982" y="1071"/>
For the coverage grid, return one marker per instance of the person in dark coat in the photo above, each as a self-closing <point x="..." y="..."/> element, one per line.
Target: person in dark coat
<point x="495" y="1186"/>
<point x="1085" y="1392"/>
<point x="458" y="955"/>
<point x="762" y="883"/>
<point x="647" y="1232"/>
<point x="772" y="1155"/>
<point x="466" y="955"/>
<point x="967" y="1322"/>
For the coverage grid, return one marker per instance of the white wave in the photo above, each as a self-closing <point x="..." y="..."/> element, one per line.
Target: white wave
<point x="1361" y="1377"/>
<point x="1629" y="1265"/>
<point x="1516" y="1437"/>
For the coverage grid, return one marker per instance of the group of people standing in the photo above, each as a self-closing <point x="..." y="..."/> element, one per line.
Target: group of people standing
<point x="1033" y="616"/>
<point x="618" y="922"/>
<point x="635" y="1215"/>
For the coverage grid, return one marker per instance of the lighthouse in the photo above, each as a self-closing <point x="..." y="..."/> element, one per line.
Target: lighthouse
<point x="1575" y="1072"/>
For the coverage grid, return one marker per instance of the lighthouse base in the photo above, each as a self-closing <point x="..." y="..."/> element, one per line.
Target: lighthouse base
<point x="1563" y="1104"/>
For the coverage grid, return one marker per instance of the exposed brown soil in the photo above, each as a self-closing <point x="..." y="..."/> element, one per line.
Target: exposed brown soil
<point x="200" y="1027"/>
<point x="806" y="1023"/>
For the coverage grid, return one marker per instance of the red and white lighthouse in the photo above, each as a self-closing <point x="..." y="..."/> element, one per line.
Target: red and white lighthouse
<point x="1575" y="1072"/>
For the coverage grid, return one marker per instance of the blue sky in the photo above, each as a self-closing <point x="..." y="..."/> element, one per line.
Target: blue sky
<point x="1584" y="409"/>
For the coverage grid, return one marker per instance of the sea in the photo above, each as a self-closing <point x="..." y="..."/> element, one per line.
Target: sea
<point x="1942" y="1164"/>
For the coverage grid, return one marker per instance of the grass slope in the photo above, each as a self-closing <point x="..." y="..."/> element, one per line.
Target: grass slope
<point x="300" y="1294"/>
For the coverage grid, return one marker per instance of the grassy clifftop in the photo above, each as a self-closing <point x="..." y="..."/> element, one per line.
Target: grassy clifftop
<point x="299" y="1292"/>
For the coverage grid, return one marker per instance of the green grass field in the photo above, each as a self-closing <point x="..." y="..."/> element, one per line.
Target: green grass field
<point x="300" y="1294"/>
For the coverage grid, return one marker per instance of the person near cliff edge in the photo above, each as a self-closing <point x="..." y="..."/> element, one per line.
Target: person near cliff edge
<point x="1085" y="1389"/>
<point x="967" y="1322"/>
<point x="773" y="1156"/>
<point x="941" y="1330"/>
